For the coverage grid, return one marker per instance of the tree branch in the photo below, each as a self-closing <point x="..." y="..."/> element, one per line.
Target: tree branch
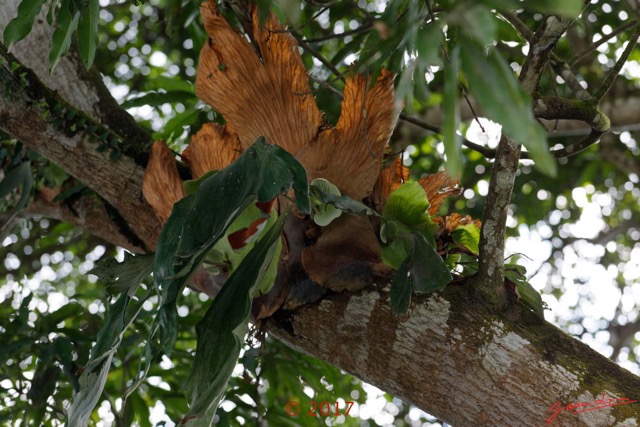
<point x="481" y="369"/>
<point x="613" y="73"/>
<point x="33" y="114"/>
<point x="490" y="277"/>
<point x="82" y="88"/>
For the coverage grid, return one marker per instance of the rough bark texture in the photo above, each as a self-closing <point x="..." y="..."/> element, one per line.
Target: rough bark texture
<point x="450" y="355"/>
<point x="491" y="266"/>
<point x="453" y="357"/>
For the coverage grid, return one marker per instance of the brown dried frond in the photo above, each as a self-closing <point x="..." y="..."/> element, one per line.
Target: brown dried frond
<point x="269" y="98"/>
<point x="345" y="255"/>
<point x="449" y="223"/>
<point x="350" y="156"/>
<point x="438" y="187"/>
<point x="392" y="176"/>
<point x="161" y="185"/>
<point x="212" y="148"/>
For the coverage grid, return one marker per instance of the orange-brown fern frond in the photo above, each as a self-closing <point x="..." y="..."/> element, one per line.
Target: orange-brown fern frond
<point x="269" y="97"/>
<point x="161" y="185"/>
<point x="214" y="147"/>
<point x="438" y="187"/>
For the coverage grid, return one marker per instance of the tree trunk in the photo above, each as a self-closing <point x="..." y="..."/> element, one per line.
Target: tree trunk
<point x="450" y="355"/>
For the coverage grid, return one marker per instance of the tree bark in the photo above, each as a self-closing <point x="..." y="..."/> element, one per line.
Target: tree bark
<point x="450" y="356"/>
<point x="454" y="358"/>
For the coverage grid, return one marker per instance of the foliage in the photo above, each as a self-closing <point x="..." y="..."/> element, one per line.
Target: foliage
<point x="151" y="49"/>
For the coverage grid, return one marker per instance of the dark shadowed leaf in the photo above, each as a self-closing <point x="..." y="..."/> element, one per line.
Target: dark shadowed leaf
<point x="125" y="275"/>
<point x="21" y="25"/>
<point x="401" y="289"/>
<point x="88" y="33"/>
<point x="94" y="375"/>
<point x="66" y="25"/>
<point x="484" y="73"/>
<point x="527" y="294"/>
<point x="451" y="113"/>
<point x="221" y="331"/>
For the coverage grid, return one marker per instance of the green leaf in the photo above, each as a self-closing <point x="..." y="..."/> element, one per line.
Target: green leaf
<point x="329" y="203"/>
<point x="476" y="21"/>
<point x="527" y="294"/>
<point x="125" y="275"/>
<point x="401" y="290"/>
<point x="88" y="33"/>
<point x="221" y="331"/>
<point x="263" y="171"/>
<point x="427" y="269"/>
<point x="451" y="112"/>
<point x="428" y="39"/>
<point x="191" y="185"/>
<point x="422" y="270"/>
<point x="201" y="219"/>
<point x="407" y="206"/>
<point x="486" y="72"/>
<point x="468" y="236"/>
<point x="18" y="176"/>
<point x="94" y="376"/>
<point x="71" y="309"/>
<point x="66" y="25"/>
<point x="20" y="26"/>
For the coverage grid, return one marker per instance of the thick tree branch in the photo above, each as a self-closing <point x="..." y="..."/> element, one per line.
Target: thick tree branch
<point x="87" y="212"/>
<point x="82" y="88"/>
<point x="33" y="114"/>
<point x="457" y="360"/>
<point x="490" y="278"/>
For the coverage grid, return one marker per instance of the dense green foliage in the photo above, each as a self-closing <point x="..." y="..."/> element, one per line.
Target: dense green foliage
<point x="51" y="310"/>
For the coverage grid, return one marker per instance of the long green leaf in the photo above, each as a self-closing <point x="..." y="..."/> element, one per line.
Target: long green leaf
<point x="450" y="105"/>
<point x="501" y="96"/>
<point x="94" y="375"/>
<point x="401" y="289"/>
<point x="88" y="33"/>
<point x="221" y="331"/>
<point x="21" y="25"/>
<point x="201" y="219"/>
<point x="125" y="275"/>
<point x="67" y="23"/>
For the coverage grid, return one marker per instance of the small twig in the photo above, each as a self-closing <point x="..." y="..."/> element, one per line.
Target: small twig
<point x="593" y="46"/>
<point x="613" y="73"/>
<point x="572" y="149"/>
<point x="304" y="45"/>
<point x="485" y="151"/>
<point x="366" y="27"/>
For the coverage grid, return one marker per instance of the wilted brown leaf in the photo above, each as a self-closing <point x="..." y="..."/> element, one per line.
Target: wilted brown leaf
<point x="269" y="97"/>
<point x="392" y="176"/>
<point x="161" y="185"/>
<point x="345" y="256"/>
<point x="438" y="187"/>
<point x="266" y="93"/>
<point x="212" y="148"/>
<point x="350" y="156"/>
